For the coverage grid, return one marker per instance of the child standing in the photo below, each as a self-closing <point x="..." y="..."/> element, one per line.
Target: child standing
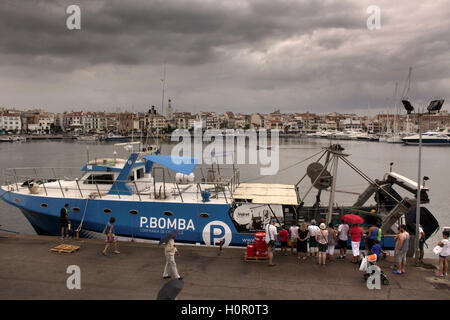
<point x="444" y="254"/>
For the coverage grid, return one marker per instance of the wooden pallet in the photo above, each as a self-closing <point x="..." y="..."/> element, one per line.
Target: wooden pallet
<point x="65" y="249"/>
<point x="255" y="259"/>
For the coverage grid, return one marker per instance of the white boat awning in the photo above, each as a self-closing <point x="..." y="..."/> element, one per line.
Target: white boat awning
<point x="263" y="193"/>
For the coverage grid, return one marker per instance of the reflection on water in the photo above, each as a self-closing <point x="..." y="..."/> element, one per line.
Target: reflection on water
<point x="371" y="157"/>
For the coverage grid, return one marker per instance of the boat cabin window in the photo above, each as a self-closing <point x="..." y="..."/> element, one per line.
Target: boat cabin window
<point x="100" y="179"/>
<point x="140" y="173"/>
<point x="135" y="175"/>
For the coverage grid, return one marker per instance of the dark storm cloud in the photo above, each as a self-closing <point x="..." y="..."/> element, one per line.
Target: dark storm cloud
<point x="245" y="55"/>
<point x="184" y="32"/>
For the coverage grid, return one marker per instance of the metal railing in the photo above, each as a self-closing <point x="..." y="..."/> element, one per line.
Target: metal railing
<point x="62" y="182"/>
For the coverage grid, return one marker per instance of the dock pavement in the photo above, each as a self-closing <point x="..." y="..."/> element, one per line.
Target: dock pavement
<point x="29" y="270"/>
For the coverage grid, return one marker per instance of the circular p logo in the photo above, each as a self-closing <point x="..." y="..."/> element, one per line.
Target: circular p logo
<point x="215" y="231"/>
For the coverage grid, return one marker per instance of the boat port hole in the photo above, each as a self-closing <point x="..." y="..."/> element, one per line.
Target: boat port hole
<point x="134" y="212"/>
<point x="107" y="210"/>
<point x="75" y="209"/>
<point x="168" y="213"/>
<point x="204" y="215"/>
<point x="44" y="205"/>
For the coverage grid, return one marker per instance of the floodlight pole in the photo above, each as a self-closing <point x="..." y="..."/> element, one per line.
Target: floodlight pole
<point x="419" y="186"/>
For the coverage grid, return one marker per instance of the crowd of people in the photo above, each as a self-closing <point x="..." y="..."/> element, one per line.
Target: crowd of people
<point x="308" y="240"/>
<point x="320" y="241"/>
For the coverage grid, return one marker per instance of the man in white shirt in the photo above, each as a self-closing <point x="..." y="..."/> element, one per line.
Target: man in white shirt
<point x="271" y="240"/>
<point x="170" y="251"/>
<point x="293" y="230"/>
<point x="342" y="239"/>
<point x="313" y="245"/>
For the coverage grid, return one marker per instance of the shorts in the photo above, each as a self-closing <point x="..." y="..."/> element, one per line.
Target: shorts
<point x="330" y="250"/>
<point x="293" y="240"/>
<point x="312" y="242"/>
<point x="401" y="256"/>
<point x="284" y="244"/>
<point x="421" y="243"/>
<point x="323" y="247"/>
<point x="271" y="246"/>
<point x="64" y="224"/>
<point x="342" y="243"/>
<point x="443" y="257"/>
<point x="355" y="248"/>
<point x="111" y="239"/>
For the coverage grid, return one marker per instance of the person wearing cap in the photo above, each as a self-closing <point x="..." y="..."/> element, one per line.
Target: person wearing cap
<point x="322" y="240"/>
<point x="271" y="240"/>
<point x="312" y="238"/>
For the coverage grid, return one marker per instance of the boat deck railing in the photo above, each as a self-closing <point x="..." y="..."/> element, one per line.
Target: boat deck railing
<point x="63" y="182"/>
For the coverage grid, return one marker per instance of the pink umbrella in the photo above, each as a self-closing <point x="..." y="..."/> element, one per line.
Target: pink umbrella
<point x="352" y="218"/>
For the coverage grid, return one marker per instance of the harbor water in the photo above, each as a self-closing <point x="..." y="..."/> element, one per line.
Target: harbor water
<point x="373" y="158"/>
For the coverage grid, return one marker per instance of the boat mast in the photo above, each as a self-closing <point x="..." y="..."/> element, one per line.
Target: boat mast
<point x="406" y="94"/>
<point x="164" y="83"/>
<point x="395" y="108"/>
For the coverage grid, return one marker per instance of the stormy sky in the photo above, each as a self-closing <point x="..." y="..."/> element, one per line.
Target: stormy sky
<point x="237" y="55"/>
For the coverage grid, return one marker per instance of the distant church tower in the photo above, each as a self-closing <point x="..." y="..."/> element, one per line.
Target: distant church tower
<point x="169" y="111"/>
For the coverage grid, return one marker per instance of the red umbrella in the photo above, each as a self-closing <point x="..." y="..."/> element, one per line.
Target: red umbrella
<point x="352" y="218"/>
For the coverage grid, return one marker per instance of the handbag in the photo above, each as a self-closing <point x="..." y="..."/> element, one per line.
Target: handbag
<point x="437" y="250"/>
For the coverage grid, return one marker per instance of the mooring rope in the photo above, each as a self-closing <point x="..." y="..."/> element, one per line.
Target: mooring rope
<point x="82" y="219"/>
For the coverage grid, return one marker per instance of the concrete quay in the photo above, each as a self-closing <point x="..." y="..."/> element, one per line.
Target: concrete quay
<point x="28" y="270"/>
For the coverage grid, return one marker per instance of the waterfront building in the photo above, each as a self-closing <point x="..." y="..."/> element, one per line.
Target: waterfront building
<point x="73" y="122"/>
<point x="10" y="121"/>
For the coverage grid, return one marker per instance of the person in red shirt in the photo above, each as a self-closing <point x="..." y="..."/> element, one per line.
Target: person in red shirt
<point x="284" y="234"/>
<point x="355" y="235"/>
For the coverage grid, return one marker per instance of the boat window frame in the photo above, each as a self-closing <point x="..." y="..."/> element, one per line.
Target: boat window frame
<point x="168" y="213"/>
<point x="107" y="209"/>
<point x="204" y="215"/>
<point x="90" y="181"/>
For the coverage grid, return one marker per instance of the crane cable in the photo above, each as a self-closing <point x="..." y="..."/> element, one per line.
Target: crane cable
<point x="288" y="167"/>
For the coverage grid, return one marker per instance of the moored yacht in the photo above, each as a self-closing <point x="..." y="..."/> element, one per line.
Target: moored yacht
<point x="430" y="138"/>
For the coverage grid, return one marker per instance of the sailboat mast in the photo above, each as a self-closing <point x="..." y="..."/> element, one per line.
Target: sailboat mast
<point x="164" y="83"/>
<point x="395" y="107"/>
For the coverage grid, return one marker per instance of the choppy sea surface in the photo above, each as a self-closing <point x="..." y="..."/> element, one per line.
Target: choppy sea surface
<point x="373" y="158"/>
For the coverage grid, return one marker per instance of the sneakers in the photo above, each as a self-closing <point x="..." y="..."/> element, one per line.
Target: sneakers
<point x="180" y="278"/>
<point x="166" y="277"/>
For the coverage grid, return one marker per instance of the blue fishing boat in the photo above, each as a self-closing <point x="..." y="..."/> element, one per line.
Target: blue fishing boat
<point x="150" y="194"/>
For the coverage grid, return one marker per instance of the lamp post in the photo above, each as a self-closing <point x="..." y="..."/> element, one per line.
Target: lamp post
<point x="433" y="108"/>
